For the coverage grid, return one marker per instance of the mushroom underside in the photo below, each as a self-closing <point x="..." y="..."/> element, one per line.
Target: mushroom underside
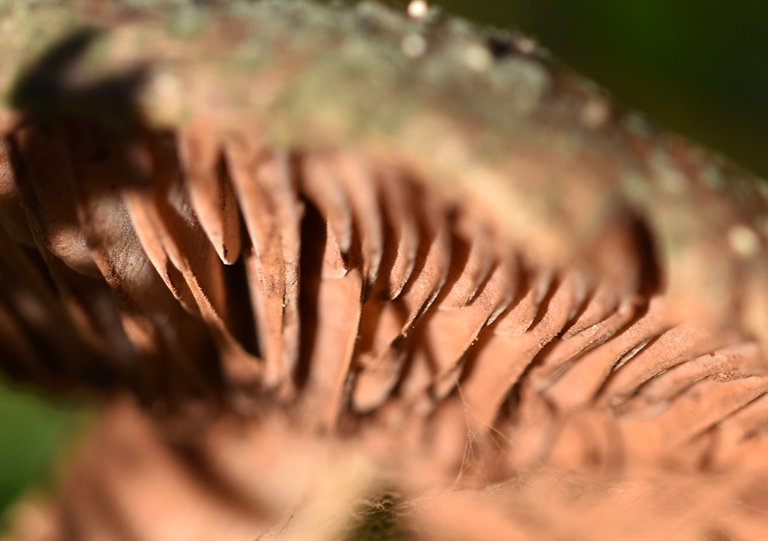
<point x="324" y="299"/>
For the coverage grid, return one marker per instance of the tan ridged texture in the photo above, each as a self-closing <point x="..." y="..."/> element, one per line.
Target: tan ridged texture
<point x="304" y="265"/>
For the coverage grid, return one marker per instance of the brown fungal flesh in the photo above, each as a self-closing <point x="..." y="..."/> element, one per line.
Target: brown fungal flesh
<point x="287" y="282"/>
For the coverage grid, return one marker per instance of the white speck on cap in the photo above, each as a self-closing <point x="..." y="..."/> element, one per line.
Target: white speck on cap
<point x="477" y="57"/>
<point x="418" y="9"/>
<point x="743" y="241"/>
<point x="526" y="45"/>
<point x="413" y="45"/>
<point x="595" y="112"/>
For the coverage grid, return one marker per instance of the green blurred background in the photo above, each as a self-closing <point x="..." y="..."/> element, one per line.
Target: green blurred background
<point x="698" y="67"/>
<point x="33" y="433"/>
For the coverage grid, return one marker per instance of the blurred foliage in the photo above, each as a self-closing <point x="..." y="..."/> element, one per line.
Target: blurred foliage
<point x="697" y="66"/>
<point x="32" y="431"/>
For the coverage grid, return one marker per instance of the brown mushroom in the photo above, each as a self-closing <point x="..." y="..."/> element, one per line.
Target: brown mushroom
<point x="311" y="255"/>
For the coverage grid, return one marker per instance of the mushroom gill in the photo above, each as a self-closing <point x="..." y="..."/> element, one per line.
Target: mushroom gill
<point x="308" y="255"/>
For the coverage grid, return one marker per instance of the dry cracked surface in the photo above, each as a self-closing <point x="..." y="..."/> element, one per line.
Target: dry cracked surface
<point x="308" y="256"/>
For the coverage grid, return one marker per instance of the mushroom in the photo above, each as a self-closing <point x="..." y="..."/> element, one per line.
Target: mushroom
<point x="317" y="261"/>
